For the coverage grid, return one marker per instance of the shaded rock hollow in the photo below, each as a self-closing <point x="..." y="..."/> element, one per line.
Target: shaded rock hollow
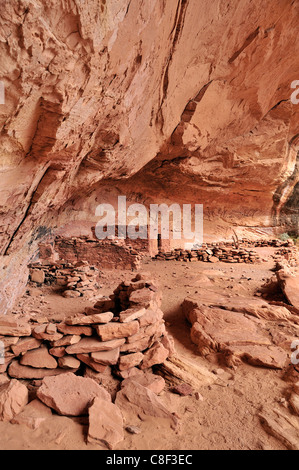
<point x="183" y="101"/>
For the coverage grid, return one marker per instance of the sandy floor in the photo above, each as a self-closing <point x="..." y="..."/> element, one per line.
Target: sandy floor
<point x="225" y="417"/>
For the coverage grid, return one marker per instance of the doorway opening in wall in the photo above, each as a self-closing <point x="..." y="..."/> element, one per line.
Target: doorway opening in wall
<point x="159" y="241"/>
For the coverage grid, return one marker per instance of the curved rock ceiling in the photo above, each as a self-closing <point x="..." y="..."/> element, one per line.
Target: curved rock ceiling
<point x="168" y="101"/>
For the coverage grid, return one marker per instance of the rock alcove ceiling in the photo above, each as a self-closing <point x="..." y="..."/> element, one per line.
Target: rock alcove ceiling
<point x="165" y="101"/>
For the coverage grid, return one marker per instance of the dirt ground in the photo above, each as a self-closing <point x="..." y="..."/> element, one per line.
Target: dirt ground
<point x="225" y="417"/>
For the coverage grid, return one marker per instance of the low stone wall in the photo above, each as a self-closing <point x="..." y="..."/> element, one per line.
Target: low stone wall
<point x="108" y="254"/>
<point x="231" y="252"/>
<point x="125" y="333"/>
<point x="78" y="280"/>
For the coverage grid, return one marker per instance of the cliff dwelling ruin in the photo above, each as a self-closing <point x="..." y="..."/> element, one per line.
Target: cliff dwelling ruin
<point x="149" y="229"/>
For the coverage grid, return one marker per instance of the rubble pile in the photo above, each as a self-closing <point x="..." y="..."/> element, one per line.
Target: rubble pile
<point x="211" y="255"/>
<point x="121" y="333"/>
<point x="76" y="280"/>
<point x="69" y="364"/>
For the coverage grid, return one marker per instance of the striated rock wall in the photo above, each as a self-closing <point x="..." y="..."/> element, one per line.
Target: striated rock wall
<point x="180" y="101"/>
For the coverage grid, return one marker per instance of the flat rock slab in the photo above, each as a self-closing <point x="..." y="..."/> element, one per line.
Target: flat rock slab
<point x="117" y="330"/>
<point x="90" y="345"/>
<point x="19" y="371"/>
<point x="134" y="399"/>
<point x="74" y="330"/>
<point x="131" y="314"/>
<point x="25" y="344"/>
<point x="70" y="395"/>
<point x="235" y="334"/>
<point x="13" y="398"/>
<point x="82" y="320"/>
<point x="108" y="358"/>
<point x="105" y="423"/>
<point x="38" y="358"/>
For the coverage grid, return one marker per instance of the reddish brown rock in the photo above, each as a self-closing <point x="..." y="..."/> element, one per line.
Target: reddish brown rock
<point x="39" y="358"/>
<point x="99" y="318"/>
<point x="39" y="332"/>
<point x="67" y="340"/>
<point x="157" y="354"/>
<point x="70" y="395"/>
<point x="33" y="414"/>
<point x="117" y="330"/>
<point x="131" y="314"/>
<point x="105" y="423"/>
<point x="151" y="316"/>
<point x="102" y="306"/>
<point x="91" y="363"/>
<point x="130" y="360"/>
<point x="74" y="330"/>
<point x="134" y="399"/>
<point x="19" y="371"/>
<point x="155" y="383"/>
<point x="106" y="358"/>
<point x="25" y="344"/>
<point x="289" y="284"/>
<point x="90" y="345"/>
<point x="69" y="362"/>
<point x="13" y="398"/>
<point x="57" y="352"/>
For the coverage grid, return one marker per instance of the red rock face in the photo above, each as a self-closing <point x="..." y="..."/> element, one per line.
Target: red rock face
<point x="185" y="101"/>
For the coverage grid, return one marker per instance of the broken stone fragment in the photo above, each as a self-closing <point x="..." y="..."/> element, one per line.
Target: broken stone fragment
<point x="108" y="358"/>
<point x="39" y="332"/>
<point x="157" y="354"/>
<point x="90" y="345"/>
<point x="13" y="398"/>
<point x="74" y="330"/>
<point x="130" y="360"/>
<point x="68" y="362"/>
<point x="105" y="423"/>
<point x="117" y="330"/>
<point x="33" y="415"/>
<point x="99" y="318"/>
<point x="131" y="314"/>
<point x="37" y="275"/>
<point x="134" y="399"/>
<point x="155" y="383"/>
<point x="38" y="358"/>
<point x="86" y="359"/>
<point x="70" y="395"/>
<point x="25" y="344"/>
<point x="67" y="340"/>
